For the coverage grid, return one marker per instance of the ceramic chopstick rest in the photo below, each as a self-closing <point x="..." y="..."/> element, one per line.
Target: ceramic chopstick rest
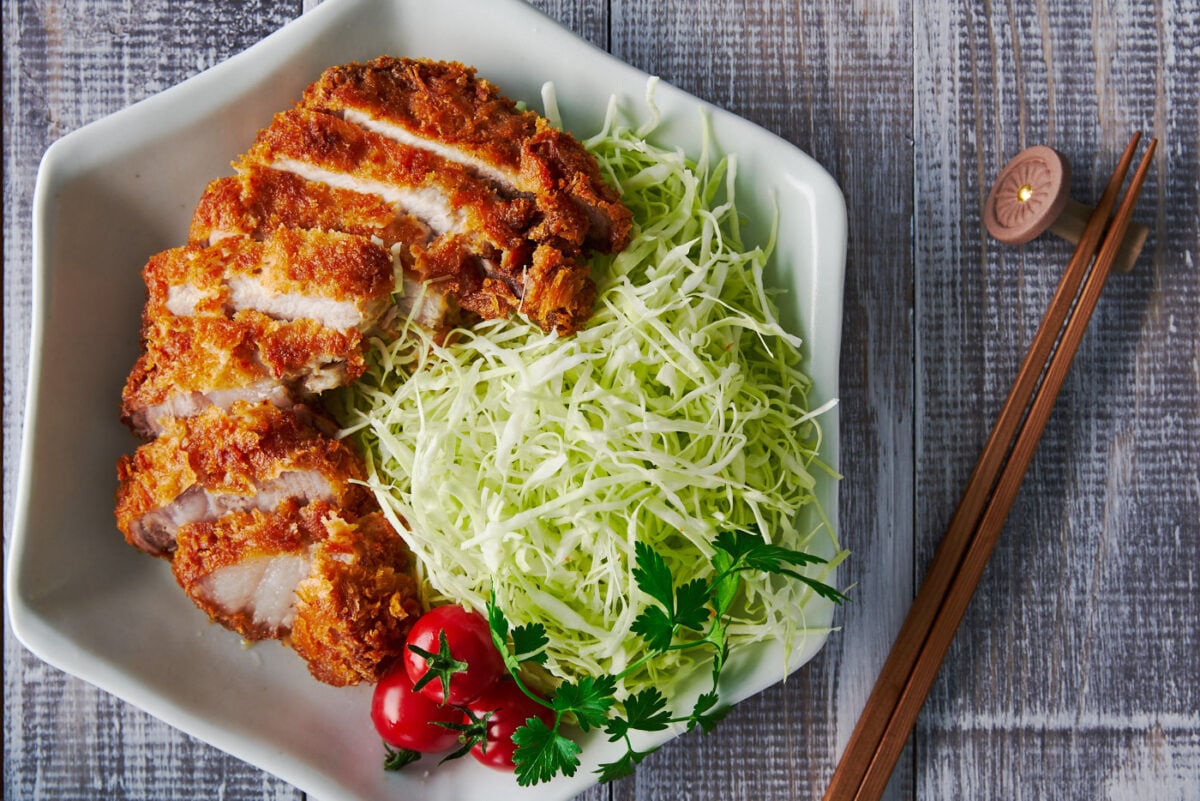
<point x="1032" y="195"/>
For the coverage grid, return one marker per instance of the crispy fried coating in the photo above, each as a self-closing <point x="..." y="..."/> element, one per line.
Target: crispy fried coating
<point x="253" y="456"/>
<point x="445" y="106"/>
<point x="259" y="200"/>
<point x="356" y="605"/>
<point x="445" y="196"/>
<point x="337" y="589"/>
<point x="338" y="279"/>
<point x="242" y="569"/>
<point x="191" y="363"/>
<point x="558" y="292"/>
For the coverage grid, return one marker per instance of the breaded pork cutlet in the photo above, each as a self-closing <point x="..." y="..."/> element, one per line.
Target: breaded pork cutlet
<point x="445" y="196"/>
<point x="259" y="200"/>
<point x="397" y="189"/>
<point x="434" y="272"/>
<point x="337" y="280"/>
<point x="192" y="363"/>
<point x="445" y="108"/>
<point x="355" y="606"/>
<point x="280" y="319"/>
<point x="242" y="569"/>
<point x="251" y="457"/>
<point x="474" y="197"/>
<point x="338" y="589"/>
<point x="465" y="212"/>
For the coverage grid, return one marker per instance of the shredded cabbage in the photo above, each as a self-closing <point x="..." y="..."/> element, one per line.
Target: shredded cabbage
<point x="528" y="464"/>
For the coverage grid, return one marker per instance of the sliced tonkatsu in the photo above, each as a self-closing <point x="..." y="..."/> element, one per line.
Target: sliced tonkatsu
<point x="357" y="602"/>
<point x="433" y="272"/>
<point x="335" y="279"/>
<point x="446" y="196"/>
<point x="338" y="588"/>
<point x="259" y="200"/>
<point x="445" y="108"/>
<point x="251" y="457"/>
<point x="192" y="363"/>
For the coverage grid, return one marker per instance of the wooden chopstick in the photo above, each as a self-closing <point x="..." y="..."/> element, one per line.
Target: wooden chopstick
<point x="904" y="683"/>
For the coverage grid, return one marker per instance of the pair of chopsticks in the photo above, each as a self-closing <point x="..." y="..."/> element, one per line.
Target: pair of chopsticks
<point x="911" y="667"/>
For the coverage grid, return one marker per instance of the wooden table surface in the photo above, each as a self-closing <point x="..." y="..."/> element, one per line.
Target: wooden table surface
<point x="1077" y="673"/>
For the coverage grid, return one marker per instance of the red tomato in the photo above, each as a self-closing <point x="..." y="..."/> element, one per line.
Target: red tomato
<point x="510" y="709"/>
<point x="469" y="644"/>
<point x="407" y="719"/>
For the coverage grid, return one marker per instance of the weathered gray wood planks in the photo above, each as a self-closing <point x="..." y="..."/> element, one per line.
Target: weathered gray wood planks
<point x="1077" y="672"/>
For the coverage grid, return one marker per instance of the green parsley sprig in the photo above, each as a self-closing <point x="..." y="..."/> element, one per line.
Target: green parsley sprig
<point x="693" y="614"/>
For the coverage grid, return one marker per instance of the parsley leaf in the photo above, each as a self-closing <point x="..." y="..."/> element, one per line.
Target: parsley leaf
<point x="644" y="711"/>
<point x="705" y="702"/>
<point x="655" y="627"/>
<point x="685" y="605"/>
<point x="757" y="554"/>
<point x="610" y="771"/>
<point x="820" y="588"/>
<point x="707" y="721"/>
<point x="653" y="577"/>
<point x="589" y="700"/>
<point x="529" y="642"/>
<point x="749" y="552"/>
<point x="542" y="753"/>
<point x="691" y="604"/>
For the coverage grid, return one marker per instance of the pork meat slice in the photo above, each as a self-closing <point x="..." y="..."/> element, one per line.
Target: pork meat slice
<point x="431" y="275"/>
<point x="338" y="589"/>
<point x="445" y="196"/>
<point x="339" y="280"/>
<point x="191" y="363"/>
<point x="445" y="108"/>
<point x="251" y="457"/>
<point x="259" y="200"/>
<point x="242" y="569"/>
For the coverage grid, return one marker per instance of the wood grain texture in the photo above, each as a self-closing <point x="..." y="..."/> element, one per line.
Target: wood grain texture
<point x="1077" y="659"/>
<point x="1076" y="674"/>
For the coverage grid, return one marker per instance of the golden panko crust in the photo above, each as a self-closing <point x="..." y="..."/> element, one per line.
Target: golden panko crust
<point x="234" y="453"/>
<point x="354" y="610"/>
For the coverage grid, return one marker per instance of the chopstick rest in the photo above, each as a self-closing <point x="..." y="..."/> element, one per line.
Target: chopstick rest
<point x="1032" y="195"/>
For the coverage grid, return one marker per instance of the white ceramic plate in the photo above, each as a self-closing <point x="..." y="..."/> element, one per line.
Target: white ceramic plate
<point x="122" y="188"/>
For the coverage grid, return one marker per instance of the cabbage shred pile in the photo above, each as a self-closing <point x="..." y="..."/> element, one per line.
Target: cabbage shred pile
<point x="528" y="465"/>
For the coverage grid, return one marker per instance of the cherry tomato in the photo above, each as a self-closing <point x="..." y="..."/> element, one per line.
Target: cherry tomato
<point x="469" y="654"/>
<point x="407" y="719"/>
<point x="510" y="709"/>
